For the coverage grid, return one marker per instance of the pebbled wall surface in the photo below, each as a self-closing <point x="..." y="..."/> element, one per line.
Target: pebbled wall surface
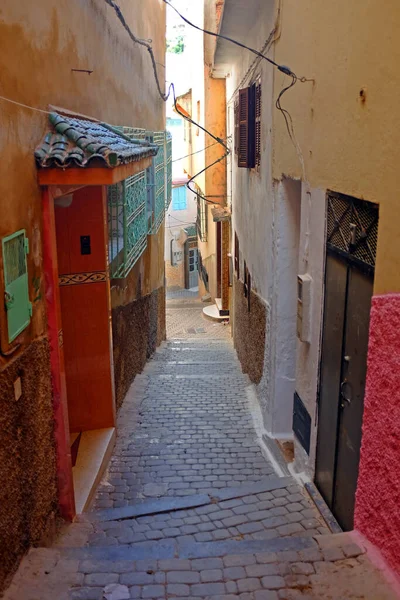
<point x="138" y="328"/>
<point x="28" y="492"/>
<point x="249" y="331"/>
<point x="377" y="513"/>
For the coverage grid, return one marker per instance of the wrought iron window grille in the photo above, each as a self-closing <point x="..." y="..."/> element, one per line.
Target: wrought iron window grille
<point x="136" y="206"/>
<point x="202" y="220"/>
<point x="127" y="224"/>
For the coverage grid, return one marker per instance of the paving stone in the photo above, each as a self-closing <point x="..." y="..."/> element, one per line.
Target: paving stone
<point x="178" y="589"/>
<point x="204" y="564"/>
<point x="332" y="554"/>
<point x="207" y="589"/>
<point x="183" y="577"/>
<point x="239" y="560"/>
<point x="266" y="595"/>
<point x="302" y="568"/>
<point x="153" y="591"/>
<point x="86" y="593"/>
<point x="273" y="582"/>
<point x="141" y="578"/>
<point x="101" y="579"/>
<point x="263" y="570"/>
<point x="352" y="550"/>
<point x="248" y="585"/>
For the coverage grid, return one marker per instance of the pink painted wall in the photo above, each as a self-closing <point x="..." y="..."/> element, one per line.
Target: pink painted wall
<point x="377" y="513"/>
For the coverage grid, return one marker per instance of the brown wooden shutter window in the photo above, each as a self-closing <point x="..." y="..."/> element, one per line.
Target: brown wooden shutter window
<point x="246" y="151"/>
<point x="258" y="124"/>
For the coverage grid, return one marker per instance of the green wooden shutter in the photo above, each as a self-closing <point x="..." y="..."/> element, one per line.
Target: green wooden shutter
<point x="18" y="307"/>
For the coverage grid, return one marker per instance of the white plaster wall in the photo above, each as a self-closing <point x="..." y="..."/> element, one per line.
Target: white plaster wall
<point x="287" y="210"/>
<point x="266" y="217"/>
<point x="251" y="191"/>
<point x="312" y="261"/>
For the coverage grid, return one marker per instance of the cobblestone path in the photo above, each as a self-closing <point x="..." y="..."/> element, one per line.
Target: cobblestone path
<point x="190" y="507"/>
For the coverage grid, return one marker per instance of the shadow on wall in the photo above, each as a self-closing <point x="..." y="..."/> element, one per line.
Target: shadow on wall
<point x="249" y="331"/>
<point x="138" y="329"/>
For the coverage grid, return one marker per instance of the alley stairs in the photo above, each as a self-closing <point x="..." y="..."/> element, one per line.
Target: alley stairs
<point x="191" y="507"/>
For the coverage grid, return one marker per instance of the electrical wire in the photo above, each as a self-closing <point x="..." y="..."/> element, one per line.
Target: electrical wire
<point x="282" y="68"/>
<point x="40" y="110"/>
<point x="271" y="39"/>
<point x="165" y="96"/>
<point x="193" y="153"/>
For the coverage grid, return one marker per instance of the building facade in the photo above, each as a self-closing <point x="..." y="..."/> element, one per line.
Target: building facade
<point x="82" y="252"/>
<point x="316" y="253"/>
<point x="205" y="103"/>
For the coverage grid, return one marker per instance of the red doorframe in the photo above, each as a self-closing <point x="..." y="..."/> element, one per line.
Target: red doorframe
<point x="61" y="427"/>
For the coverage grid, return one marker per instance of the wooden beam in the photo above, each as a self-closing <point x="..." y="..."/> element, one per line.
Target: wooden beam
<point x="90" y="175"/>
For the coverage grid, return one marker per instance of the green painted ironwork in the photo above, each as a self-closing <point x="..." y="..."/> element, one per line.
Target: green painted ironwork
<point x="157" y="182"/>
<point x="202" y="219"/>
<point x="19" y="309"/>
<point x="168" y="170"/>
<point x="158" y="193"/>
<point x="127" y="224"/>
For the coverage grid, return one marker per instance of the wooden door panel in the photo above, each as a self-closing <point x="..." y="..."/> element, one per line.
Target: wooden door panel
<point x="331" y="360"/>
<point x="354" y="368"/>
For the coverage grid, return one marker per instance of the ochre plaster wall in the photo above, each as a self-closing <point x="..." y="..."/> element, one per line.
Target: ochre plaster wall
<point x="378" y="492"/>
<point x="40" y="44"/>
<point x="349" y="141"/>
<point x="209" y="95"/>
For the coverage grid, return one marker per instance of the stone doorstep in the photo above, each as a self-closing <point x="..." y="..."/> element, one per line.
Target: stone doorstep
<point x="167" y="505"/>
<point x="170" y="549"/>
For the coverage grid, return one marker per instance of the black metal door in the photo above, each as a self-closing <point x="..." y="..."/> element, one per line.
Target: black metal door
<point x="351" y="248"/>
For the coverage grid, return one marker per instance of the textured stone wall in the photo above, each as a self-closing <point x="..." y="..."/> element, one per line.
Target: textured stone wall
<point x="249" y="331"/>
<point x="175" y="274"/>
<point x="28" y="491"/>
<point x="138" y="328"/>
<point x="378" y="490"/>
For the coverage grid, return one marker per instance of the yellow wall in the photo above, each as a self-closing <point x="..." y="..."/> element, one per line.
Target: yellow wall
<point x="211" y="95"/>
<point x="40" y="42"/>
<point x="348" y="145"/>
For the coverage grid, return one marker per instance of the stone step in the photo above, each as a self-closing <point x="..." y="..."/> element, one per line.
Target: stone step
<point x="167" y="505"/>
<point x="323" y="567"/>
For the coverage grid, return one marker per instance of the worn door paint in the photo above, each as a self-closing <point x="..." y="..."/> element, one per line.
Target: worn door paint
<point x="85" y="310"/>
<point x="331" y="359"/>
<point x="348" y="293"/>
<point x="351" y="402"/>
<point x="193" y="268"/>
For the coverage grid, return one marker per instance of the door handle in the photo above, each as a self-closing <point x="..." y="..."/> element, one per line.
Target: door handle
<point x="346" y="397"/>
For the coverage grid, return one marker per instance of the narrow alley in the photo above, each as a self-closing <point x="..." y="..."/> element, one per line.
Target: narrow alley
<point x="191" y="506"/>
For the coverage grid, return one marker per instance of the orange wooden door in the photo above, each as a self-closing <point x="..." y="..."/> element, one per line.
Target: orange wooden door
<point x="85" y="309"/>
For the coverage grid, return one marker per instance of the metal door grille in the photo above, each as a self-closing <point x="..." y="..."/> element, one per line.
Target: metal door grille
<point x="352" y="228"/>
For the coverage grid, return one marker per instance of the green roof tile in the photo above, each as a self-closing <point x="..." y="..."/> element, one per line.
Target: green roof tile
<point x="76" y="142"/>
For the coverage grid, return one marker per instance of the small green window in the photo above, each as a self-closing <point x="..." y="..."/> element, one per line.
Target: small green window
<point x="19" y="309"/>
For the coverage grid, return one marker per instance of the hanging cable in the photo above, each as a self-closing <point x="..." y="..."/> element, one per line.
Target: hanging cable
<point x="282" y="68"/>
<point x="193" y="153"/>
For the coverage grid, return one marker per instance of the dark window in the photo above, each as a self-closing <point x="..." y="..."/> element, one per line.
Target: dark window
<point x="247" y="285"/>
<point x="237" y="263"/>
